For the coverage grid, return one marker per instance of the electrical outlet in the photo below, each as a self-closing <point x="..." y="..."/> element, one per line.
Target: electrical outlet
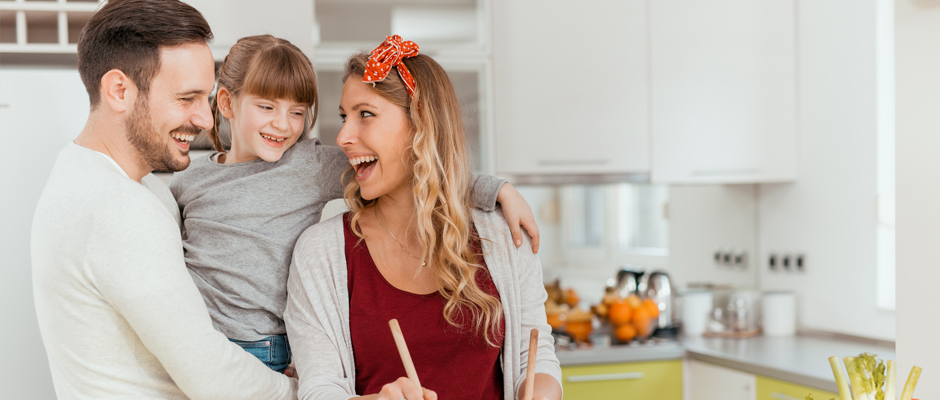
<point x="787" y="262"/>
<point x="739" y="258"/>
<point x="730" y="257"/>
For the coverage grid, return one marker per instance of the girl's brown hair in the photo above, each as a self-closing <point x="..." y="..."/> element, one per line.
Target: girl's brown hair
<point x="441" y="171"/>
<point x="270" y="68"/>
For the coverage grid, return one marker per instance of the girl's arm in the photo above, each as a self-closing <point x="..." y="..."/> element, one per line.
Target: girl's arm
<point x="485" y="192"/>
<point x="518" y="214"/>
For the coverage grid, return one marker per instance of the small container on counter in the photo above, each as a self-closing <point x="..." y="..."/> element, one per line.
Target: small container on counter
<point x="779" y="310"/>
<point x="696" y="309"/>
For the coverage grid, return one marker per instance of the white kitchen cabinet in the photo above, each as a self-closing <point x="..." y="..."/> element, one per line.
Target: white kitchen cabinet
<point x="723" y="98"/>
<point x="712" y="382"/>
<point x="571" y="88"/>
<point x="233" y="19"/>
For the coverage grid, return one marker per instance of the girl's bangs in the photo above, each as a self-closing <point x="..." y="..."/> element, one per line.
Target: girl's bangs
<point x="279" y="74"/>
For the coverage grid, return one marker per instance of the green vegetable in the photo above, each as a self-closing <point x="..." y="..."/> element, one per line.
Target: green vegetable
<point x="841" y="383"/>
<point x="891" y="387"/>
<point x="870" y="378"/>
<point x="861" y="384"/>
<point x="911" y="382"/>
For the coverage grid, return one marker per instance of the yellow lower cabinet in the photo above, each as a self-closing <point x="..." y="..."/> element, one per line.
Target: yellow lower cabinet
<point x="772" y="389"/>
<point x="653" y="380"/>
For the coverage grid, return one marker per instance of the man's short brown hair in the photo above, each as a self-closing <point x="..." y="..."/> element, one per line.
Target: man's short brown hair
<point x="127" y="35"/>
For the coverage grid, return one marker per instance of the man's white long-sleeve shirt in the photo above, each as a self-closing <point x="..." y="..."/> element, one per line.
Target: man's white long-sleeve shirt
<point x="119" y="314"/>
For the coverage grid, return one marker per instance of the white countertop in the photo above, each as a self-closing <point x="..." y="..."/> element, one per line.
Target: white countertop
<point x="799" y="359"/>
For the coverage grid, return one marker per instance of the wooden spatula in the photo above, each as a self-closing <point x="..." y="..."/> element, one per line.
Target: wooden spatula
<point x="403" y="351"/>
<point x="530" y="370"/>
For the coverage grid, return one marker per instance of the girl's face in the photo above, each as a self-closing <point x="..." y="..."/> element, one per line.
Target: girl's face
<point x="375" y="137"/>
<point x="261" y="128"/>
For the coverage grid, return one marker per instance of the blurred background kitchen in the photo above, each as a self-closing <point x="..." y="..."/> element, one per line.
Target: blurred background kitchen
<point x="743" y="150"/>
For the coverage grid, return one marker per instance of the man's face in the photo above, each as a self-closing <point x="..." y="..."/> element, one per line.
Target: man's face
<point x="165" y="120"/>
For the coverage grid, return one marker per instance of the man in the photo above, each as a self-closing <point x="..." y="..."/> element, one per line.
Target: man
<point x="118" y="311"/>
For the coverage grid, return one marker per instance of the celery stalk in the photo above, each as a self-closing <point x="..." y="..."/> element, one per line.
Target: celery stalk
<point x="911" y="383"/>
<point x="891" y="381"/>
<point x="839" y="374"/>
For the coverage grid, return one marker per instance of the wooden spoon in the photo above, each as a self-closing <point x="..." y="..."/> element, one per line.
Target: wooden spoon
<point x="530" y="370"/>
<point x="403" y="352"/>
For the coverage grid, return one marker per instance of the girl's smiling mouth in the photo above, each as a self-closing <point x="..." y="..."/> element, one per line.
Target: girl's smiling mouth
<point x="273" y="140"/>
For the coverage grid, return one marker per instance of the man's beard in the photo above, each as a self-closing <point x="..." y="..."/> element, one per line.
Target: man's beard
<point x="151" y="147"/>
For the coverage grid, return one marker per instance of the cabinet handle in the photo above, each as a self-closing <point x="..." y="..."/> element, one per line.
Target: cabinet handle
<point x="733" y="171"/>
<point x="781" y="396"/>
<point x="570" y="163"/>
<point x="606" y="377"/>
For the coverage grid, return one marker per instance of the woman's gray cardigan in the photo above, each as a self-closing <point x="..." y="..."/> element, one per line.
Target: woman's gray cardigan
<point x="317" y="314"/>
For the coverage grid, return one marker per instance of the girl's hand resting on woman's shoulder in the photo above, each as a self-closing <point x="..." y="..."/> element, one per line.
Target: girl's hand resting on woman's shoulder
<point x="518" y="214"/>
<point x="403" y="389"/>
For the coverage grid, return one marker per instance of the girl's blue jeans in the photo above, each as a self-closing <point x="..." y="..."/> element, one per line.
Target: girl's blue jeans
<point x="273" y="351"/>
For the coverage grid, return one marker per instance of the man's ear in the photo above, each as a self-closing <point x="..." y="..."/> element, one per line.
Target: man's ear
<point x="225" y="99"/>
<point x="118" y="91"/>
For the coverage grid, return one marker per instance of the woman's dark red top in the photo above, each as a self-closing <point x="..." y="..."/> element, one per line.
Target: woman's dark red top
<point x="454" y="362"/>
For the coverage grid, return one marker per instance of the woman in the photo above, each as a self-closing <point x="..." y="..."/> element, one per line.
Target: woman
<point x="411" y="248"/>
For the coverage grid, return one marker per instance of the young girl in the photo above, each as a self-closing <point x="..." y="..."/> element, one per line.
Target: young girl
<point x="244" y="209"/>
<point x="412" y="249"/>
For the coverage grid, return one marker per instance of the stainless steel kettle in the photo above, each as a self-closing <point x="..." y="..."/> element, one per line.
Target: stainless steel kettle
<point x="627" y="282"/>
<point x="658" y="287"/>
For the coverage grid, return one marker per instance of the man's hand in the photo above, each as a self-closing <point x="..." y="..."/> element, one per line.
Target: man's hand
<point x="519" y="215"/>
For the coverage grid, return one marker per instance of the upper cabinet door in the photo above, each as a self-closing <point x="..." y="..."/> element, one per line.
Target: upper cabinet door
<point x="234" y="19"/>
<point x="723" y="101"/>
<point x="571" y="88"/>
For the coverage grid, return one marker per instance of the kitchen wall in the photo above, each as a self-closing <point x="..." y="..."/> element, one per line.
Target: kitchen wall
<point x="702" y="219"/>
<point x="918" y="192"/>
<point x="829" y="213"/>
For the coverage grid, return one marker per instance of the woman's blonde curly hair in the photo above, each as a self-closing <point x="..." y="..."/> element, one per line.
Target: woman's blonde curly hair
<point x="441" y="180"/>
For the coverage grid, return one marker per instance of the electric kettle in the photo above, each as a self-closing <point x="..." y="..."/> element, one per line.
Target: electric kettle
<point x="657" y="286"/>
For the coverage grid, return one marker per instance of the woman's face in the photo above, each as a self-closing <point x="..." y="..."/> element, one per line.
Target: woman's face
<point x="263" y="128"/>
<point x="375" y="136"/>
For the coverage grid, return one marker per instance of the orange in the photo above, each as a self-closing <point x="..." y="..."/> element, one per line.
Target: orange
<point x="620" y="312"/>
<point x="556" y="320"/>
<point x="580" y="330"/>
<point x="625" y="333"/>
<point x="572" y="298"/>
<point x="642" y="322"/>
<point x="651" y="307"/>
<point x="633" y="300"/>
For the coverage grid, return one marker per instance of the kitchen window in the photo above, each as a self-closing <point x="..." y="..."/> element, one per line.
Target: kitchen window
<point x="615" y="224"/>
<point x="885" y="279"/>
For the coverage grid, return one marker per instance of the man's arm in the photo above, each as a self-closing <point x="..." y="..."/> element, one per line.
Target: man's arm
<point x="136" y="260"/>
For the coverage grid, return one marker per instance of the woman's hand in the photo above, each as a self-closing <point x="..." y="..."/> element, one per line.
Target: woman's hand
<point x="519" y="215"/>
<point x="546" y="388"/>
<point x="404" y="389"/>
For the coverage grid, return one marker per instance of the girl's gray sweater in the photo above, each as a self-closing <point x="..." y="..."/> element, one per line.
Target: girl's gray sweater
<point x="317" y="314"/>
<point x="240" y="222"/>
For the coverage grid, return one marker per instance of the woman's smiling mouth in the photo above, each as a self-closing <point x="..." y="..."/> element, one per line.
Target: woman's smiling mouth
<point x="363" y="165"/>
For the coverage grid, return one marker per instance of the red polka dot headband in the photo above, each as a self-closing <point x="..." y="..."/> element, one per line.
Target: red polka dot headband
<point x="390" y="54"/>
